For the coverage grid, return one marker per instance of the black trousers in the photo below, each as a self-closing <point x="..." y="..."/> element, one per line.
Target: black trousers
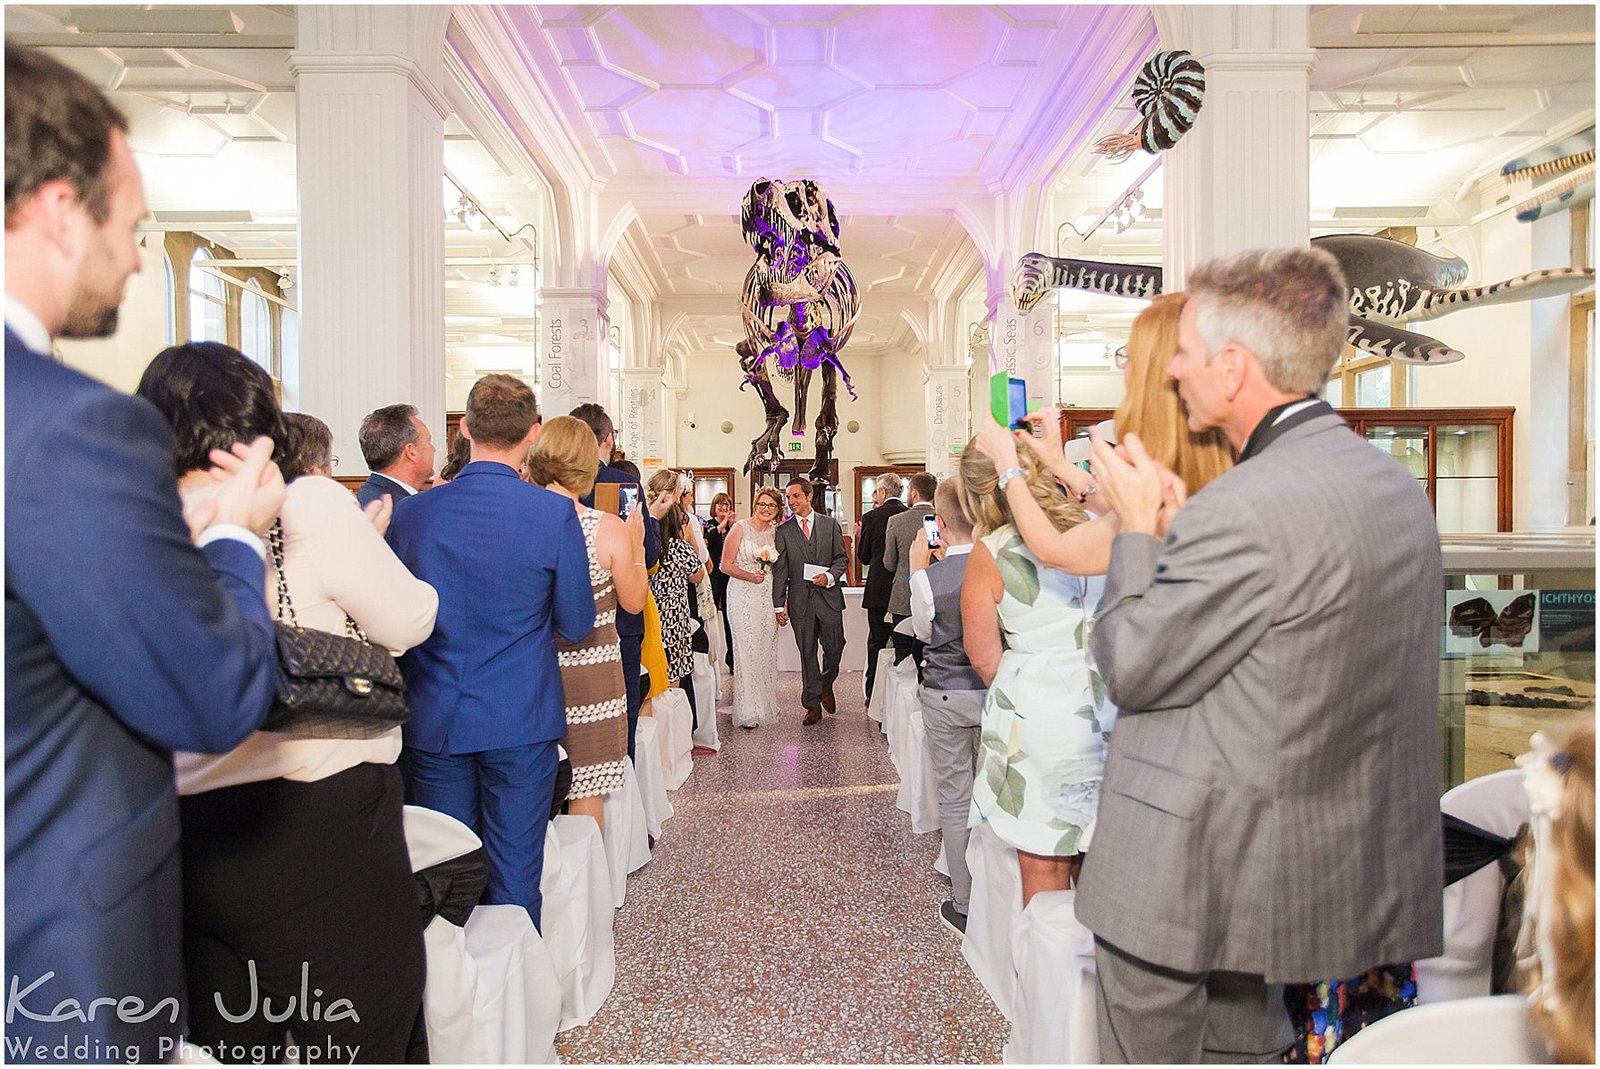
<point x="632" y="651"/>
<point x="880" y="631"/>
<point x="301" y="915"/>
<point x="906" y="645"/>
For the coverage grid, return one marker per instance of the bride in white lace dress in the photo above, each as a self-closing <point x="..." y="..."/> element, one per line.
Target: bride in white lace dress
<point x="750" y="614"/>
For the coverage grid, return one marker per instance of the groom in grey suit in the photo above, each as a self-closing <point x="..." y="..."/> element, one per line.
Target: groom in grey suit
<point x="1270" y="811"/>
<point x="815" y="606"/>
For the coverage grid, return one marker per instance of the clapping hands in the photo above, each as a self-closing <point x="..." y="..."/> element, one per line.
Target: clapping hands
<point x="249" y="489"/>
<point x="1144" y="493"/>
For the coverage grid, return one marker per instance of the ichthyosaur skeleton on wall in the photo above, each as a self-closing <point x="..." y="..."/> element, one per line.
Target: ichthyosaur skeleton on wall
<point x="1391" y="283"/>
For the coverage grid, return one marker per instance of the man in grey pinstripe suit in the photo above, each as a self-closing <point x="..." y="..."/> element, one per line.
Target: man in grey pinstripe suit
<point x="1269" y="812"/>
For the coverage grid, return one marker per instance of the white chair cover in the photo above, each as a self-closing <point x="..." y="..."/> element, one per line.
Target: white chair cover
<point x="1496" y="803"/>
<point x="577" y="918"/>
<point x="992" y="914"/>
<point x="704" y="681"/>
<point x="899" y="699"/>
<point x="919" y="794"/>
<point x="880" y="694"/>
<point x="1057" y="988"/>
<point x="627" y="837"/>
<point x="652" y="780"/>
<point x="433" y="837"/>
<point x="676" y="724"/>
<point x="1492" y="1030"/>
<point x="491" y="993"/>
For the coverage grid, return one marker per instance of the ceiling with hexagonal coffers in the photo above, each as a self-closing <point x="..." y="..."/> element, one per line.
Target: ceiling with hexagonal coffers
<point x="919" y="121"/>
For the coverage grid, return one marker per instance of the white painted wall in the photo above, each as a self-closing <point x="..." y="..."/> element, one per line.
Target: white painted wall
<point x="120" y="360"/>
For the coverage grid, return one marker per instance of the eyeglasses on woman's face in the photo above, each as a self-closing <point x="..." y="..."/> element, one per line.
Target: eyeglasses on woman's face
<point x="766" y="506"/>
<point x="1119" y="358"/>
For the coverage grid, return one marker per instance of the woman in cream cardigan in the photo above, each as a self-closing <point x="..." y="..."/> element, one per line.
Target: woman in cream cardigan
<point x="296" y="874"/>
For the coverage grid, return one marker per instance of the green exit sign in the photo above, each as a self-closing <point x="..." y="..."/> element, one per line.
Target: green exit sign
<point x="797" y="447"/>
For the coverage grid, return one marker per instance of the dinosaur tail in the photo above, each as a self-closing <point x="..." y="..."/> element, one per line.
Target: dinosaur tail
<point x="1530" y="287"/>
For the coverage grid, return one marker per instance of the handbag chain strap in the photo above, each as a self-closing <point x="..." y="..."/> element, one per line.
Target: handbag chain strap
<point x="285" y="604"/>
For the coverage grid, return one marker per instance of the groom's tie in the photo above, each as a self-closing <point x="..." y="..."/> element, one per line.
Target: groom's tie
<point x="805" y="527"/>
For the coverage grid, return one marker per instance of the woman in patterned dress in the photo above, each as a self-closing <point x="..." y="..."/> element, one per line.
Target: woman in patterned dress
<point x="596" y="741"/>
<point x="670" y="583"/>
<point x="1041" y="751"/>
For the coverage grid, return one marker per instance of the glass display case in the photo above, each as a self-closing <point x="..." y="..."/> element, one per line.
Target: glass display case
<point x="1517" y="646"/>
<point x="1460" y="456"/>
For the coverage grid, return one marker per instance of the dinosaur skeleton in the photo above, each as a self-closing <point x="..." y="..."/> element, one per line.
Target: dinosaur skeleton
<point x="1391" y="283"/>
<point x="1569" y="164"/>
<point x="799" y="307"/>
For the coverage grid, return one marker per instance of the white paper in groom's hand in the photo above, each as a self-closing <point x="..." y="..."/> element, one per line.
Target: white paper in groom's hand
<point x="809" y="572"/>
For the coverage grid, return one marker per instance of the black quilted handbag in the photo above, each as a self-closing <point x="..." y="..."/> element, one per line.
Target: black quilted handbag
<point x="331" y="686"/>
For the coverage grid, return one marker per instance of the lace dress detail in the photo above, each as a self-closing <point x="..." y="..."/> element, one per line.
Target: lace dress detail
<point x="754" y="625"/>
<point x="591" y="677"/>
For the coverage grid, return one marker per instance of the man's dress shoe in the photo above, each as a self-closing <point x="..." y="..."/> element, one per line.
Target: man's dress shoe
<point x="830" y="706"/>
<point x="812" y="716"/>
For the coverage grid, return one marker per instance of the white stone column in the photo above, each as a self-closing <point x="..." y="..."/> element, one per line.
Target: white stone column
<point x="642" y="427"/>
<point x="370" y="132"/>
<point x="947" y="405"/>
<point x="1024" y="346"/>
<point x="1240" y="178"/>
<point x="572" y="351"/>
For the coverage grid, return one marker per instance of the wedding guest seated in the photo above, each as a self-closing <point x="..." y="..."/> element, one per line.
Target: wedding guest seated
<point x="591" y="670"/>
<point x="294" y="855"/>
<point x="1556" y="947"/>
<point x="1044" y="726"/>
<point x="952" y="691"/>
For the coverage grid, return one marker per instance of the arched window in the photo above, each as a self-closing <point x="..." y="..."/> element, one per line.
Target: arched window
<point x="255" y="326"/>
<point x="208" y="302"/>
<point x="172" y="294"/>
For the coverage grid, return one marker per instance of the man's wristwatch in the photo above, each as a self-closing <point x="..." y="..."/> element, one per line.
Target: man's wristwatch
<point x="1006" y="476"/>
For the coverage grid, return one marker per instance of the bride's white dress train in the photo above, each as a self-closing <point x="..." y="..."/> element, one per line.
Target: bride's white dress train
<point x="755" y="635"/>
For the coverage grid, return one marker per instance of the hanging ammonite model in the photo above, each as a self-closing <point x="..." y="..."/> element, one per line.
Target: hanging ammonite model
<point x="1168" y="92"/>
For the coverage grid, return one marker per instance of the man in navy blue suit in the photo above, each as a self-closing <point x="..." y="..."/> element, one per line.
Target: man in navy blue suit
<point x="398" y="449"/>
<point x="630" y="625"/>
<point x="509" y="563"/>
<point x="123" y="641"/>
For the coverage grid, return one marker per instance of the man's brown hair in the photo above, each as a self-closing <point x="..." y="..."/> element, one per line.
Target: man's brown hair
<point x="924" y="483"/>
<point x="501" y="410"/>
<point x="58" y="126"/>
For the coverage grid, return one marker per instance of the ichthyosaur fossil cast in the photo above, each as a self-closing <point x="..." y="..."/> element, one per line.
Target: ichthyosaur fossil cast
<point x="1391" y="283"/>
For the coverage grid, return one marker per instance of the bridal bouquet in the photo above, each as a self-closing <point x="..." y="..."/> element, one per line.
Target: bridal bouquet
<point x="767" y="556"/>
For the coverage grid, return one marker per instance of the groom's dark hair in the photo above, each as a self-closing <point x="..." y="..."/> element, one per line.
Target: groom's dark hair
<point x="802" y="482"/>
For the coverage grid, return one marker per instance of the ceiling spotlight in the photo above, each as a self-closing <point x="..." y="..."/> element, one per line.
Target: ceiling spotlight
<point x="511" y="275"/>
<point x="494" y="275"/>
<point x="467" y="214"/>
<point x="285" y="280"/>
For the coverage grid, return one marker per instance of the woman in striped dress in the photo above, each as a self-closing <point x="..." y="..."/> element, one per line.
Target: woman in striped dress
<point x="591" y="670"/>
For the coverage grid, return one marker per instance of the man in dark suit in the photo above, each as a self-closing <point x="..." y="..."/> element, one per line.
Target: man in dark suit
<point x="886" y="505"/>
<point x="898" y="536"/>
<point x="123" y="641"/>
<point x="816" y="605"/>
<point x="509" y="563"/>
<point x="630" y="625"/>
<point x="398" y="449"/>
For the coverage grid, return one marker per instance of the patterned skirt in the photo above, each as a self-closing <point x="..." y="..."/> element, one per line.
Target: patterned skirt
<point x="597" y="711"/>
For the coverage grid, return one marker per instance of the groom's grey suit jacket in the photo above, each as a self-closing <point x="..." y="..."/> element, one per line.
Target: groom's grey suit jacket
<point x="825" y="547"/>
<point x="1270" y="802"/>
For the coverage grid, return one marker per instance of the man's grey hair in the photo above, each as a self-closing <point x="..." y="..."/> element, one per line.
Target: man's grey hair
<point x="385" y="433"/>
<point x="890" y="484"/>
<point x="1290" y="307"/>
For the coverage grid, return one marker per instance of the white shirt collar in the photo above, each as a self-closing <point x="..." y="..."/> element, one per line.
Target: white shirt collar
<point x="957" y="551"/>
<point x="21" y="321"/>
<point x="404" y="486"/>
<point x="1292" y="409"/>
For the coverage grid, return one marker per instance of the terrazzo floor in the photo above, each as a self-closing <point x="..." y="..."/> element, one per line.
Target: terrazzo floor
<point x="790" y="915"/>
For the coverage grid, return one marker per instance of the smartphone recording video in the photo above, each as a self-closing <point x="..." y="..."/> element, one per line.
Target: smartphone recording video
<point x="930" y="527"/>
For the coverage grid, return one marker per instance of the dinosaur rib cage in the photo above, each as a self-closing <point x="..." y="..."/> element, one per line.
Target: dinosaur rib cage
<point x="834" y="310"/>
